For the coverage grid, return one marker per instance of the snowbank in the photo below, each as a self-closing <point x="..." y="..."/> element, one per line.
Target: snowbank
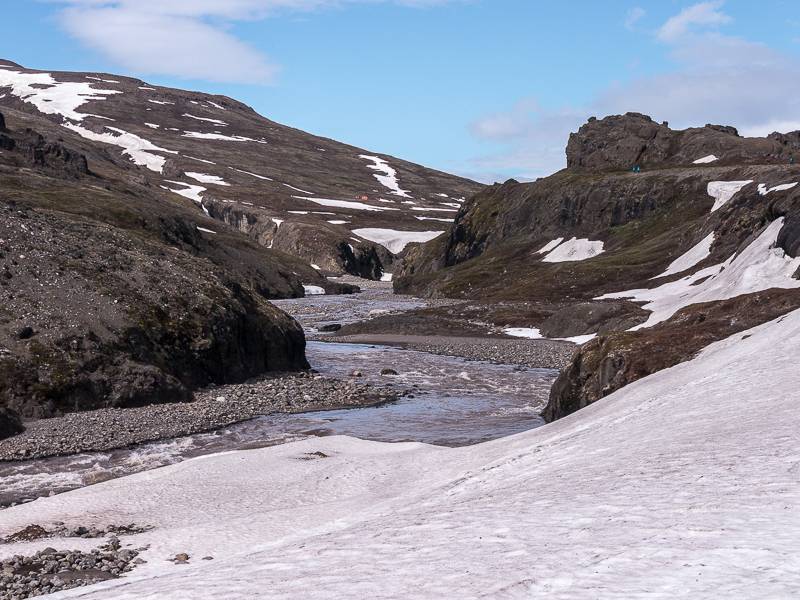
<point x="683" y="484"/>
<point x="394" y="240"/>
<point x="692" y="257"/>
<point x="758" y="267"/>
<point x="573" y="250"/>
<point x="722" y="191"/>
<point x="387" y="176"/>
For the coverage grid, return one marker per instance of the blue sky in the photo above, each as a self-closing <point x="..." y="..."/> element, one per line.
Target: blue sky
<point x="484" y="88"/>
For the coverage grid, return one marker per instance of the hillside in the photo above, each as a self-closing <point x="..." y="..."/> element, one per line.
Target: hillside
<point x="651" y="239"/>
<point x="340" y="208"/>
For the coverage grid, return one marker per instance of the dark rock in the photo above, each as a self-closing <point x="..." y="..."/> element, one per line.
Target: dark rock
<point x="388" y="372"/>
<point x="10" y="423"/>
<point x="25" y="333"/>
<point x="621" y="142"/>
<point x="331" y="327"/>
<point x="2" y="122"/>
<point x="608" y="363"/>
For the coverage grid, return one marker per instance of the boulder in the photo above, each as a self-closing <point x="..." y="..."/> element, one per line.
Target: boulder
<point x="10" y="423"/>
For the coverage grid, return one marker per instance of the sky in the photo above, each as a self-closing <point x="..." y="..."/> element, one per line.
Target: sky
<point x="488" y="89"/>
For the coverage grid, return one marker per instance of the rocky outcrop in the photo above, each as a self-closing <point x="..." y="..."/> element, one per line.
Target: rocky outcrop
<point x="112" y="296"/>
<point x="621" y="142"/>
<point x="32" y="150"/>
<point x="584" y="318"/>
<point x="610" y="362"/>
<point x="10" y="423"/>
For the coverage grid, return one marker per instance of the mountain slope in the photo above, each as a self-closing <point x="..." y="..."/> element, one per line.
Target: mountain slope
<point x="334" y="205"/>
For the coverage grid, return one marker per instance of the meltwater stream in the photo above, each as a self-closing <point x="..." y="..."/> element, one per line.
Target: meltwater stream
<point x="455" y="402"/>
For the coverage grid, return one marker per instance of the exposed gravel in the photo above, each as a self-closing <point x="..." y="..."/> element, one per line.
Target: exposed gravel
<point x="106" y="429"/>
<point x="52" y="570"/>
<point x="544" y="354"/>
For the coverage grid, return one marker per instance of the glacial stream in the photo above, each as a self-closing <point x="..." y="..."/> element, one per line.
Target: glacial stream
<point x="454" y="402"/>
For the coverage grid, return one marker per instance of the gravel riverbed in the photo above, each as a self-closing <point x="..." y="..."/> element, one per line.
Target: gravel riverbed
<point x="213" y="408"/>
<point x="536" y="354"/>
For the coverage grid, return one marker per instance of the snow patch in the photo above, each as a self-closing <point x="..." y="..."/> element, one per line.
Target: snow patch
<point x="705" y="160"/>
<point x="52" y="97"/>
<point x="435" y="219"/>
<point x="205" y="178"/>
<point x="760" y="266"/>
<point x="550" y="245"/>
<point x="429" y="209"/>
<point x="344" y="204"/>
<point x="574" y="250"/>
<point x="387" y="277"/>
<point x="395" y="240"/>
<point x="388" y="175"/>
<point x="139" y="150"/>
<point x="203" y="229"/>
<point x="764" y="190"/>
<point x="291" y="187"/>
<point x="722" y="191"/>
<point x="202" y="160"/>
<point x="162" y="102"/>
<point x="215" y="121"/>
<point x="693" y="256"/>
<point x="152" y="125"/>
<point x="251" y="174"/>
<point x="314" y="290"/>
<point x="215" y="105"/>
<point x="219" y="136"/>
<point x="335" y="222"/>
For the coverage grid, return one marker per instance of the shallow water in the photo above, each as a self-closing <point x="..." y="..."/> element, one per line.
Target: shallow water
<point x="455" y="402"/>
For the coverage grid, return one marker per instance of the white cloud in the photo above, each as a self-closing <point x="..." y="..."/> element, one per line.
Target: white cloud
<point x="190" y="39"/>
<point x="634" y="16"/>
<point x="715" y="79"/>
<point x="704" y="13"/>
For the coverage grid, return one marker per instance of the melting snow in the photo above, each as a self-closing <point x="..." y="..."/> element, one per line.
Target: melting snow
<point x="763" y="190"/>
<point x="758" y="267"/>
<point x="314" y="290"/>
<point x="297" y="212"/>
<point x="574" y="250"/>
<point x="160" y="102"/>
<point x="692" y="257"/>
<point x="147" y="87"/>
<point x="215" y="105"/>
<point x="215" y="121"/>
<point x="205" y="230"/>
<point x="218" y="136"/>
<point x="205" y="178"/>
<point x="435" y="219"/>
<point x="338" y="222"/>
<point x="138" y="149"/>
<point x="722" y="191"/>
<point x="277" y="222"/>
<point x="395" y="240"/>
<point x="706" y="159"/>
<point x="52" y="97"/>
<point x="152" y="125"/>
<point x="344" y="204"/>
<point x="388" y="178"/>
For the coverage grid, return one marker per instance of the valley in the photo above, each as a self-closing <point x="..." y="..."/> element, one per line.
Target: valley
<point x="238" y="360"/>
